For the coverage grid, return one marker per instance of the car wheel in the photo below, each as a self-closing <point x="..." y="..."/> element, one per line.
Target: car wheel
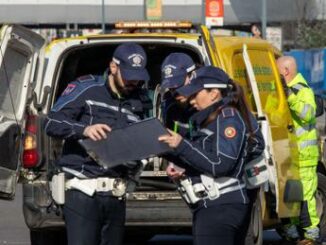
<point x="48" y="237"/>
<point x="321" y="203"/>
<point x="255" y="229"/>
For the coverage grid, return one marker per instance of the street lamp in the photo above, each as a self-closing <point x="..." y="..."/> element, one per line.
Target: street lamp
<point x="203" y="12"/>
<point x="103" y="16"/>
<point x="263" y="18"/>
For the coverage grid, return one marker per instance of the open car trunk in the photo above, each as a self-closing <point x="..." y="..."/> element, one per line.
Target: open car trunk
<point x="148" y="204"/>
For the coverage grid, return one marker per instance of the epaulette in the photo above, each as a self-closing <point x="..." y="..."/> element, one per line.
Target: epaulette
<point x="228" y="112"/>
<point x="86" y="78"/>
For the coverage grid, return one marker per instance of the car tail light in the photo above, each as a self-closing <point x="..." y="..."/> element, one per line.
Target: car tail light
<point x="30" y="154"/>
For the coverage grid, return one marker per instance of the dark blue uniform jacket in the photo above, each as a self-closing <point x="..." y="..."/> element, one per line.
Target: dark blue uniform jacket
<point x="221" y="149"/>
<point x="86" y="101"/>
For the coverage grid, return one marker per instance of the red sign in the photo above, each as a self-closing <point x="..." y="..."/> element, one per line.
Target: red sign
<point x="214" y="12"/>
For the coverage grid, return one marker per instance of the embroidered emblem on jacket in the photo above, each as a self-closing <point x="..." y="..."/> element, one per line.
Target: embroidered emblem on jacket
<point x="230" y="132"/>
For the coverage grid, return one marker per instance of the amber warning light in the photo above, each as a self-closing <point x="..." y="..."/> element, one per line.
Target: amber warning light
<point x="153" y="24"/>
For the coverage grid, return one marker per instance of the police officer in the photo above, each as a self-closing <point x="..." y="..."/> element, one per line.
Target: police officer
<point x="90" y="107"/>
<point x="225" y="133"/>
<point x="302" y="105"/>
<point x="176" y="71"/>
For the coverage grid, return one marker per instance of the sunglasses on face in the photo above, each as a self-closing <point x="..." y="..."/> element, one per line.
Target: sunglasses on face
<point x="133" y="83"/>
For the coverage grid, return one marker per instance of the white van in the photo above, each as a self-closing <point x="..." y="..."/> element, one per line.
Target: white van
<point x="33" y="75"/>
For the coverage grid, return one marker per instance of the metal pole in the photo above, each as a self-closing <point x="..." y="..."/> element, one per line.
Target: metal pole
<point x="263" y="18"/>
<point x="103" y="16"/>
<point x="145" y="10"/>
<point x="203" y="11"/>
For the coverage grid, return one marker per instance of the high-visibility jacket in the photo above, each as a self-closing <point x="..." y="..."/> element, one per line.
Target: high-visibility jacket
<point x="303" y="133"/>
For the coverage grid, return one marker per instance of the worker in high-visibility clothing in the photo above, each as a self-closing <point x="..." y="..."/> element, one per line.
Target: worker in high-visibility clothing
<point x="305" y="151"/>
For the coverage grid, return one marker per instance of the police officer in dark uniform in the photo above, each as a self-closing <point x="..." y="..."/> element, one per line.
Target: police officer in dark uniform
<point x="176" y="71"/>
<point x="225" y="136"/>
<point x="90" y="107"/>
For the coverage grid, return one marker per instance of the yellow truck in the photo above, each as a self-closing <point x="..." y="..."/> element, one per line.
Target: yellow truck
<point x="33" y="74"/>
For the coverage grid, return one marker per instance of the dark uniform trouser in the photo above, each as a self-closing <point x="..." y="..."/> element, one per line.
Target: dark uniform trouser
<point x="97" y="220"/>
<point x="224" y="224"/>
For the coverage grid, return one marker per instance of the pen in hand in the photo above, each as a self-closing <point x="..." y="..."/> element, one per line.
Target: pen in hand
<point x="175" y="127"/>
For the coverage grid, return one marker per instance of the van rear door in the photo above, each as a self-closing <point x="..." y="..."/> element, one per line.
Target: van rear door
<point x="273" y="104"/>
<point x="19" y="60"/>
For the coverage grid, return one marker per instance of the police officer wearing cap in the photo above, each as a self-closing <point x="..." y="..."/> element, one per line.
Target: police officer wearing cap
<point x="90" y="107"/>
<point x="225" y="137"/>
<point x="176" y="71"/>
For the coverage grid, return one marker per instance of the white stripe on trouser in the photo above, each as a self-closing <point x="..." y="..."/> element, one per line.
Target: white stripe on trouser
<point x="306" y="143"/>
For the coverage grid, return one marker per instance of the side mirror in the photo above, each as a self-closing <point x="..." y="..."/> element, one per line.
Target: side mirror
<point x="320" y="105"/>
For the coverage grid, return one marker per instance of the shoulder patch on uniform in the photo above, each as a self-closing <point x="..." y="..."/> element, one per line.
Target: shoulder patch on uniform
<point x="71" y="87"/>
<point x="230" y="132"/>
<point x="228" y="112"/>
<point x="86" y="78"/>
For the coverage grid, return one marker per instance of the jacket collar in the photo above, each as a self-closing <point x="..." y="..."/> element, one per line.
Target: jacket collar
<point x="297" y="79"/>
<point x="199" y="117"/>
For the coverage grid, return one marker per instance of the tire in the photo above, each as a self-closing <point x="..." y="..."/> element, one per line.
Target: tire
<point x="48" y="237"/>
<point x="321" y="203"/>
<point x="255" y="229"/>
<point x="140" y="239"/>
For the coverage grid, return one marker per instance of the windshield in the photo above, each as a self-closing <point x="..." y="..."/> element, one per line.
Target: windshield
<point x="12" y="72"/>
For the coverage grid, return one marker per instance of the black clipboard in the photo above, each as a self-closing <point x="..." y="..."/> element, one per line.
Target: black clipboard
<point x="134" y="142"/>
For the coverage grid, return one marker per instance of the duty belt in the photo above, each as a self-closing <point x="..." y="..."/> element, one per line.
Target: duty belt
<point x="116" y="186"/>
<point x="209" y="188"/>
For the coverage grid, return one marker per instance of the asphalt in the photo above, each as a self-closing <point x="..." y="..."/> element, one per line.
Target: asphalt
<point x="13" y="230"/>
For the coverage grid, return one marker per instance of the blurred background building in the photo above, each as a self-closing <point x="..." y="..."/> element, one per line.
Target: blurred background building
<point x="73" y="17"/>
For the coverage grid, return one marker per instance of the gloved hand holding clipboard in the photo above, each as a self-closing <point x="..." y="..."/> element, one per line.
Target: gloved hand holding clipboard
<point x="135" y="142"/>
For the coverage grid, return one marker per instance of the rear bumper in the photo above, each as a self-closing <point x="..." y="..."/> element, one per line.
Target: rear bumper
<point x="159" y="209"/>
<point x="38" y="209"/>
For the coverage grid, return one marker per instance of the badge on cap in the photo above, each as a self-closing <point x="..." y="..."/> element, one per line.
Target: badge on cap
<point x="136" y="60"/>
<point x="230" y="132"/>
<point x="168" y="71"/>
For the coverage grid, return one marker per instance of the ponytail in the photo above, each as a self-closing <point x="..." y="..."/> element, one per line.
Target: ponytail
<point x="239" y="102"/>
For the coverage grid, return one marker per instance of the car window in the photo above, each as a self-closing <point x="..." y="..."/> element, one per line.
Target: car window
<point x="269" y="91"/>
<point x="12" y="72"/>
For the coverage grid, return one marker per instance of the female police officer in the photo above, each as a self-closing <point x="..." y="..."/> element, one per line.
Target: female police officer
<point x="225" y="134"/>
